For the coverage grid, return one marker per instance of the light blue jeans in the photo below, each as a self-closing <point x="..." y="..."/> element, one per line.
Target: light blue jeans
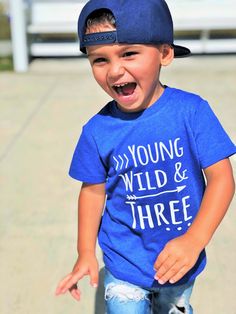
<point x="124" y="298"/>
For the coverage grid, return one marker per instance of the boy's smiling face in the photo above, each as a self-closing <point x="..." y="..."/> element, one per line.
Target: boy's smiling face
<point x="130" y="73"/>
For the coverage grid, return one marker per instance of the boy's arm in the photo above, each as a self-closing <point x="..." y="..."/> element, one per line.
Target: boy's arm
<point x="180" y="254"/>
<point x="90" y="208"/>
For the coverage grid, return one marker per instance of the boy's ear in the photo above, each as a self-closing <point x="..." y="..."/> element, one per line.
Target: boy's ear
<point x="167" y="54"/>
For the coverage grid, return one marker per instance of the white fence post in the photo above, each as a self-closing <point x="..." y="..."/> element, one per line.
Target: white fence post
<point x="18" y="34"/>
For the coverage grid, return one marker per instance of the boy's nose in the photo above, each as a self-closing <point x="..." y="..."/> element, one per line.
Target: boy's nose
<point x="116" y="70"/>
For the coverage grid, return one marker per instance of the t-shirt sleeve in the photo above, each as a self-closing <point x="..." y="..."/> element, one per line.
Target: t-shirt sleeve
<point x="86" y="164"/>
<point x="213" y="143"/>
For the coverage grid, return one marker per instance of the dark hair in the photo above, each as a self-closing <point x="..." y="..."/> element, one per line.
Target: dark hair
<point x="99" y="17"/>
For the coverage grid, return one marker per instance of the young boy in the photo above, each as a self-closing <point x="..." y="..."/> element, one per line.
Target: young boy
<point x="144" y="160"/>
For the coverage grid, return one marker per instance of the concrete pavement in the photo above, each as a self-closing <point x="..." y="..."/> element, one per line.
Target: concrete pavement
<point x="41" y="114"/>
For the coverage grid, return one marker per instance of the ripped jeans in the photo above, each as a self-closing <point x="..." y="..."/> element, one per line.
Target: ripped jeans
<point x="124" y="298"/>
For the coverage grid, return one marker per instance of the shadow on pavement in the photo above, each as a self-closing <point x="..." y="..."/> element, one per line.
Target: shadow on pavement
<point x="99" y="299"/>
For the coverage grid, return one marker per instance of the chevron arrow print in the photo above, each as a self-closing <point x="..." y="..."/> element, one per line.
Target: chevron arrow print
<point x="122" y="161"/>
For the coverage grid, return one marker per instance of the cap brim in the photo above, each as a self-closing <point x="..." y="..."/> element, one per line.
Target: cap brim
<point x="181" y="52"/>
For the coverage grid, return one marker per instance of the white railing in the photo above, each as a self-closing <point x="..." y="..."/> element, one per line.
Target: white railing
<point x="54" y="17"/>
<point x="205" y="16"/>
<point x="58" y="18"/>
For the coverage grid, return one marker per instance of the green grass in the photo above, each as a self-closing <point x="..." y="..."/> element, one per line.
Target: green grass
<point x="4" y="26"/>
<point x="6" y="64"/>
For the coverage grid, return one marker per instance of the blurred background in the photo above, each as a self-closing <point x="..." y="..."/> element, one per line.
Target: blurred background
<point x="47" y="28"/>
<point x="46" y="94"/>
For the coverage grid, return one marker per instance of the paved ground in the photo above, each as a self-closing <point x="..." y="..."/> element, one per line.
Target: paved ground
<point x="41" y="114"/>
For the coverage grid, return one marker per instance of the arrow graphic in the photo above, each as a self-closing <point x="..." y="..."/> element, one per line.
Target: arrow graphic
<point x="124" y="161"/>
<point x="134" y="197"/>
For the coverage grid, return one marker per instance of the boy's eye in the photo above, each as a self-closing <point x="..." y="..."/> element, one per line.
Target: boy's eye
<point x="99" y="60"/>
<point x="130" y="53"/>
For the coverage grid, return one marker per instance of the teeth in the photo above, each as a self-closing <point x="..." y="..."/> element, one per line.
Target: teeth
<point x="121" y="85"/>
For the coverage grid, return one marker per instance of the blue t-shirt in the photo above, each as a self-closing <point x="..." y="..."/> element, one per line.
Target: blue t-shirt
<point x="151" y="162"/>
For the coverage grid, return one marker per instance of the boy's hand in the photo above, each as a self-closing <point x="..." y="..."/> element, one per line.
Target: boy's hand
<point x="176" y="259"/>
<point x="86" y="265"/>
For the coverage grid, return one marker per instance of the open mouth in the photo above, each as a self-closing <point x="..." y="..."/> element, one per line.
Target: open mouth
<point x="125" y="89"/>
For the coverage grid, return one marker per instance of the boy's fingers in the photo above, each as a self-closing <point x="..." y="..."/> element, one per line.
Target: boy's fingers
<point x="179" y="275"/>
<point x="69" y="281"/>
<point x="62" y="284"/>
<point x="171" y="273"/>
<point x="94" y="277"/>
<point x="161" y="259"/>
<point x="165" y="267"/>
<point x="73" y="280"/>
<point x="75" y="292"/>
